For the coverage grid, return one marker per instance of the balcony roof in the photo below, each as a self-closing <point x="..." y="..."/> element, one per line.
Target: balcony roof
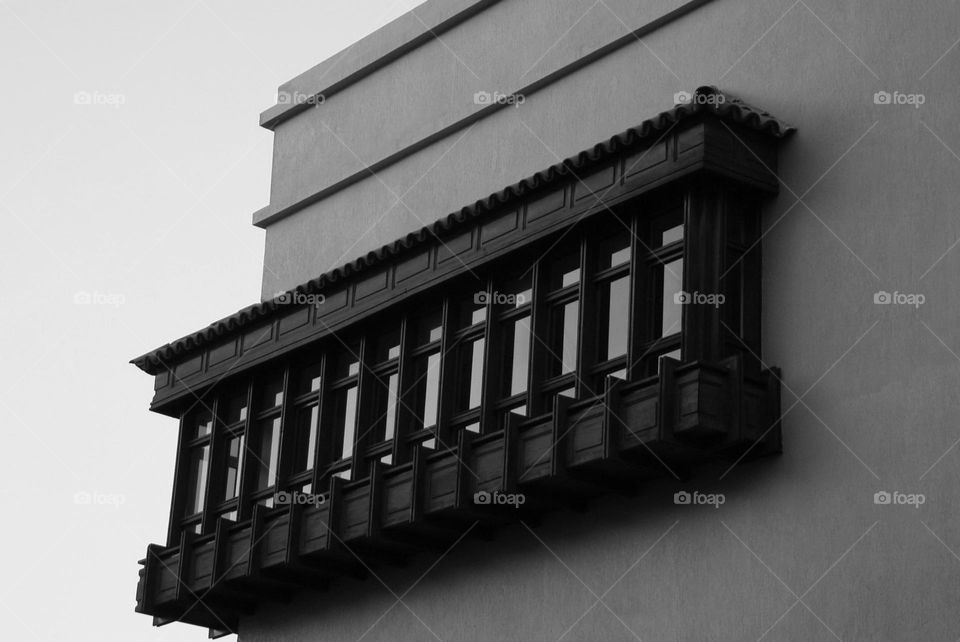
<point x="705" y="101"/>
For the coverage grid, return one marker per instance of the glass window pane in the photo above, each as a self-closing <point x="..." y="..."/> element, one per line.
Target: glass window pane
<point x="267" y="453"/>
<point x="671" y="235"/>
<point x="348" y="362"/>
<point x="230" y="515"/>
<point x="346" y="419"/>
<point x="471" y="374"/>
<point x="308" y="421"/>
<point x="516" y="293"/>
<point x="387" y="346"/>
<point x="385" y="407"/>
<point x="429" y="327"/>
<point x="309" y="379"/>
<point x="617" y="320"/>
<point x="235" y="407"/>
<point x="473" y="310"/>
<point x="198" y="467"/>
<point x="517" y="356"/>
<point x="270" y="393"/>
<point x="200" y="423"/>
<point x="672" y="274"/>
<point x="393" y="385"/>
<point x="234" y="468"/>
<point x="565" y="271"/>
<point x="564" y="338"/>
<point x="428" y="390"/>
<point x="615" y="251"/>
<point x="673" y="354"/>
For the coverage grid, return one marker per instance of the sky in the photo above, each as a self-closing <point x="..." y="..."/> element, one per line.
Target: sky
<point x="131" y="162"/>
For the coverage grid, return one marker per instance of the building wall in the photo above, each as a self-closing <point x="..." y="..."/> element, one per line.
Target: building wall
<point x="878" y="385"/>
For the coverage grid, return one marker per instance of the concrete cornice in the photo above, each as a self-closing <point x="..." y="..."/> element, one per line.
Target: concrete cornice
<point x="414" y="28"/>
<point x="414" y="38"/>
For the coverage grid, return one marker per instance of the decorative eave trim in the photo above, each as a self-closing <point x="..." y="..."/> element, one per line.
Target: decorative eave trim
<point x="706" y="101"/>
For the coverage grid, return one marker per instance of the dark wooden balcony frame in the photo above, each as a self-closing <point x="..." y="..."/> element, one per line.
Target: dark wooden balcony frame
<point x="716" y="403"/>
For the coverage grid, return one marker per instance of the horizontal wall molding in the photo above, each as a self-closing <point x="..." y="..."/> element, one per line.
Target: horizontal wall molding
<point x="417" y="27"/>
<point x="271" y="213"/>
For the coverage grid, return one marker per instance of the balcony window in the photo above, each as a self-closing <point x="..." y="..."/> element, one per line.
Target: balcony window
<point x="542" y="311"/>
<point x="612" y="283"/>
<point x="199" y="459"/>
<point x="267" y="453"/>
<point x="561" y="332"/>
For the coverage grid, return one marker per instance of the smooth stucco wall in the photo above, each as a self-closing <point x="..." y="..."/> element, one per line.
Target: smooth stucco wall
<point x="884" y="392"/>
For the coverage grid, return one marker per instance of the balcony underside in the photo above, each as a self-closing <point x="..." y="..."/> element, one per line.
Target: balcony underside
<point x="690" y="414"/>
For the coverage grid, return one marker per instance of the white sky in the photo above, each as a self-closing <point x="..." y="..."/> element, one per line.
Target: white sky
<point x="145" y="206"/>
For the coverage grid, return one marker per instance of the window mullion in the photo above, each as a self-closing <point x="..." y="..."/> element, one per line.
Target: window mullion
<point x="493" y="350"/>
<point x="288" y="430"/>
<point x="364" y="407"/>
<point x="405" y="393"/>
<point x="586" y="324"/>
<point x="243" y="509"/>
<point x="539" y="340"/>
<point x="322" y="449"/>
<point x="180" y="483"/>
<point x="640" y="279"/>
<point x="448" y="382"/>
<point x="214" y="469"/>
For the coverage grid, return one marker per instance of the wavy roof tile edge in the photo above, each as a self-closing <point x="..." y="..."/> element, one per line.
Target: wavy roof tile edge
<point x="706" y="99"/>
